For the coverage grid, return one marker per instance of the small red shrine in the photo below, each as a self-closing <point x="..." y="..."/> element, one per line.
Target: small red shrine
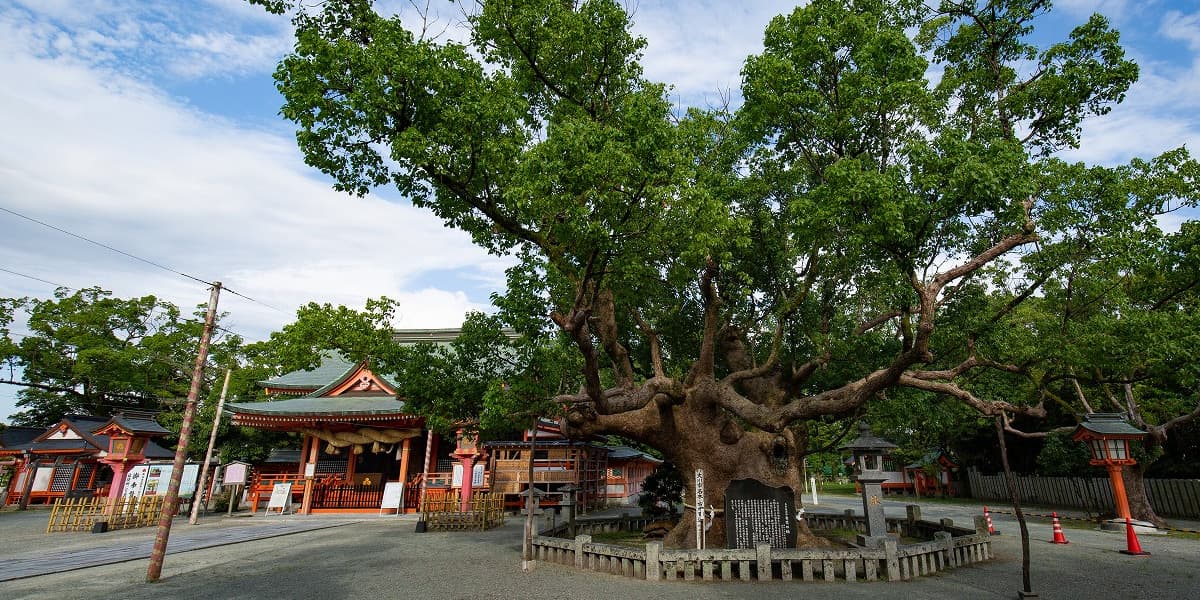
<point x="80" y="455"/>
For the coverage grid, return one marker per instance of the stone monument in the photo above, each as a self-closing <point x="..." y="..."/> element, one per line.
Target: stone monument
<point x="758" y="513"/>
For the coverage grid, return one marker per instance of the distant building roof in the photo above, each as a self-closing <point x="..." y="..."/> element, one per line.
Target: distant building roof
<point x="435" y="336"/>
<point x="627" y="453"/>
<point x="332" y="366"/>
<point x="139" y="423"/>
<point x="75" y="434"/>
<point x="938" y="456"/>
<point x="314" y="407"/>
<point x="155" y="451"/>
<point x="283" y="455"/>
<point x="15" y="437"/>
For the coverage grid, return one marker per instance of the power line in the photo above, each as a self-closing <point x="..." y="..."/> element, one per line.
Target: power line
<point x="280" y="310"/>
<point x="35" y="278"/>
<point x="105" y="246"/>
<point x="135" y="257"/>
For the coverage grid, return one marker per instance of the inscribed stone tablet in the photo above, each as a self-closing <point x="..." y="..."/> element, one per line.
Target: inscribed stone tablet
<point x="757" y="513"/>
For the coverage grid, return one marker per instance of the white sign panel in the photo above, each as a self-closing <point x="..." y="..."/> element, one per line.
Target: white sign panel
<point x="135" y="481"/>
<point x="476" y="476"/>
<point x="699" y="509"/>
<point x="153" y="480"/>
<point x="235" y="474"/>
<point x="158" y="478"/>
<point x="393" y="496"/>
<point x="281" y="498"/>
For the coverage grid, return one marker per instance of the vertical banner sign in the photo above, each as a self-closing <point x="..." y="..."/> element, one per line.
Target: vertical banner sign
<point x="699" y="509"/>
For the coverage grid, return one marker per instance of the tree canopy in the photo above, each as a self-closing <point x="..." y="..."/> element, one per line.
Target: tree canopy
<point x="90" y="353"/>
<point x="728" y="276"/>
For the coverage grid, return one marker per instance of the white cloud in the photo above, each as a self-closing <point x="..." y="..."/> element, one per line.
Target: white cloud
<point x="114" y="159"/>
<point x="1179" y="26"/>
<point x="1115" y="9"/>
<point x="700" y="49"/>
<point x="155" y="37"/>
<point x="221" y="53"/>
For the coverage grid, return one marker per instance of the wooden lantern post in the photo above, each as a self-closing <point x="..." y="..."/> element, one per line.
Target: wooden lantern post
<point x="1107" y="436"/>
<point x="466" y="452"/>
<point x="127" y="437"/>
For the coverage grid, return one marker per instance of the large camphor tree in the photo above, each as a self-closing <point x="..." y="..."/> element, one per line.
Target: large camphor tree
<point x="727" y="276"/>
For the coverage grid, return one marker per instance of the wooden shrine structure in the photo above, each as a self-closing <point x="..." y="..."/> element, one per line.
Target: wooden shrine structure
<point x="356" y="438"/>
<point x="80" y="456"/>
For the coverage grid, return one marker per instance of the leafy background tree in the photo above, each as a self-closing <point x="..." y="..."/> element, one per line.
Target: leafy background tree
<point x="90" y="353"/>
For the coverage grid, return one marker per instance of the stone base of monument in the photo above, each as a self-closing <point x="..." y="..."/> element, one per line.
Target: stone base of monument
<point x="870" y="541"/>
<point x="1139" y="527"/>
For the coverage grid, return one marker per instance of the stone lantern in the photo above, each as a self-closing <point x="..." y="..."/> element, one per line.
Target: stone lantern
<point x="1107" y="436"/>
<point x="868" y="452"/>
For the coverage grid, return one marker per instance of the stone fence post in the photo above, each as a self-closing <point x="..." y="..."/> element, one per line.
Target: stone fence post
<point x="914" y="513"/>
<point x="763" y="552"/>
<point x="945" y="542"/>
<point x="892" y="554"/>
<point x="981" y="524"/>
<point x="580" y="540"/>
<point x="653" y="560"/>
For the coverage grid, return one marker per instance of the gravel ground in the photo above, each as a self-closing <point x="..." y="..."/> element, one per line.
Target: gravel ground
<point x="384" y="558"/>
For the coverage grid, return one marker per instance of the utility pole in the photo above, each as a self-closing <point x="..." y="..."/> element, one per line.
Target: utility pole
<point x="212" y="440"/>
<point x="171" y="502"/>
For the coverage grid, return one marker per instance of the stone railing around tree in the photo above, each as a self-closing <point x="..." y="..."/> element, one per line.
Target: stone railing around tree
<point x="950" y="547"/>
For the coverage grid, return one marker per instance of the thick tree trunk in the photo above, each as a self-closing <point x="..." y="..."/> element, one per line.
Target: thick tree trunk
<point x="694" y="441"/>
<point x="1139" y="500"/>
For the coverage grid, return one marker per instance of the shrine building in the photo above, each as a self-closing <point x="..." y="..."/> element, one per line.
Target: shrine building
<point x="81" y="455"/>
<point x="356" y="437"/>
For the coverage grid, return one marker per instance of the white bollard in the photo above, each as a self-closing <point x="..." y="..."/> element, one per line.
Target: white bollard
<point x="813" y="482"/>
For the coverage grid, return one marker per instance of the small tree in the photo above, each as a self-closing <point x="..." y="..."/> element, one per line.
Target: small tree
<point x="662" y="492"/>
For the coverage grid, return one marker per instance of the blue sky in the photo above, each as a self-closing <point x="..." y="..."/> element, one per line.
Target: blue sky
<point x="152" y="126"/>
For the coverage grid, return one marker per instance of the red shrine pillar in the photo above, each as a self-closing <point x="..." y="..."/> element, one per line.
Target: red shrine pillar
<point x="1118" y="485"/>
<point x="120" y="469"/>
<point x="468" y="463"/>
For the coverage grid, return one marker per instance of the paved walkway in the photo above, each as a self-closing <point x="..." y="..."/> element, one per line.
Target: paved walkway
<point x="182" y="540"/>
<point x="381" y="557"/>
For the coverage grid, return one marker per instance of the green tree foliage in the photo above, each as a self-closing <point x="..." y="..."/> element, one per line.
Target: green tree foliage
<point x="1062" y="457"/>
<point x="727" y="276"/>
<point x="489" y="378"/>
<point x="90" y="353"/>
<point x="662" y="492"/>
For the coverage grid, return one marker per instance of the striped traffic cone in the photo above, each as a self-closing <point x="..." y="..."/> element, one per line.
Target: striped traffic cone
<point x="1059" y="538"/>
<point x="1135" y="548"/>
<point x="991" y="529"/>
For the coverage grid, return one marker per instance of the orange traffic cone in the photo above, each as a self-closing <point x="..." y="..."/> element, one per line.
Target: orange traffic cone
<point x="991" y="529"/>
<point x="1059" y="538"/>
<point x="1135" y="548"/>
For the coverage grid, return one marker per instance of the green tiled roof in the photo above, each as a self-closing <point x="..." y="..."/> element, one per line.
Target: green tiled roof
<point x="1108" y="424"/>
<point x="333" y="367"/>
<point x="309" y="406"/>
<point x="416" y="336"/>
